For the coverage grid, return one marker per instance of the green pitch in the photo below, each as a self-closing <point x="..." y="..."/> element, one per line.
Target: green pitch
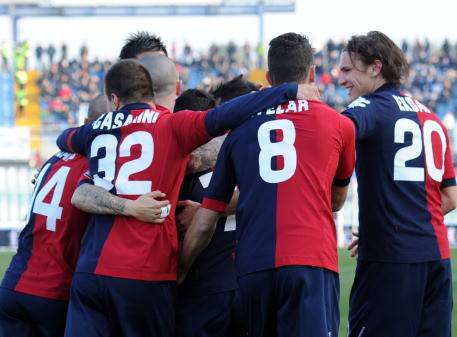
<point x="347" y="266"/>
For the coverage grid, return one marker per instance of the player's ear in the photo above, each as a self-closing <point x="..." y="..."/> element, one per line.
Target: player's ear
<point x="179" y="87"/>
<point x="114" y="99"/>
<point x="376" y="68"/>
<point x="312" y="74"/>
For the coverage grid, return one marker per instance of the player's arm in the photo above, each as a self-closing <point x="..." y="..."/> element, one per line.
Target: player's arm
<point x="96" y="200"/>
<point x="198" y="236"/>
<point x="205" y="156"/>
<point x="346" y="164"/>
<point x="191" y="207"/>
<point x="448" y="184"/>
<point x="448" y="199"/>
<point x="193" y="129"/>
<point x="363" y="116"/>
<point x="339" y="194"/>
<point x="75" y="139"/>
<point x="231" y="207"/>
<point x="217" y="197"/>
<point x="234" y="112"/>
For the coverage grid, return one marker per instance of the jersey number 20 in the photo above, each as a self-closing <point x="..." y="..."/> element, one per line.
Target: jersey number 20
<point x="413" y="151"/>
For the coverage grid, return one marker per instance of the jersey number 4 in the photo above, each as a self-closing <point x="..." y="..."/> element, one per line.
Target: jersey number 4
<point x="52" y="211"/>
<point x="413" y="151"/>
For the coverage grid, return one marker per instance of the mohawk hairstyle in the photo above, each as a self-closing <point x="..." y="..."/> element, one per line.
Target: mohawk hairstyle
<point x="141" y="42"/>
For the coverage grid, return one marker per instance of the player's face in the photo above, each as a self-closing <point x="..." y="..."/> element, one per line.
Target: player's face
<point x="354" y="76"/>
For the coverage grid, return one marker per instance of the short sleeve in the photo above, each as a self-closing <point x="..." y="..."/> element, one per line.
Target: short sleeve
<point x="449" y="172"/>
<point x="363" y="115"/>
<point x="85" y="178"/>
<point x="189" y="129"/>
<point x="346" y="161"/>
<point x="223" y="181"/>
<point x="233" y="113"/>
<point x="75" y="139"/>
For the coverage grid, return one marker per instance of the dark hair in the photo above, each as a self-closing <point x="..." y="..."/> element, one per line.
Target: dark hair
<point x="141" y="42"/>
<point x="377" y="46"/>
<point x="97" y="107"/>
<point x="289" y="58"/>
<point x="233" y="88"/>
<point x="195" y="99"/>
<point x="130" y="81"/>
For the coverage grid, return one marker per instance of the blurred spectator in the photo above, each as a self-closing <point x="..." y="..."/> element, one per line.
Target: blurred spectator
<point x="51" y="52"/>
<point x="39" y="56"/>
<point x="64" y="50"/>
<point x="69" y="83"/>
<point x="5" y="55"/>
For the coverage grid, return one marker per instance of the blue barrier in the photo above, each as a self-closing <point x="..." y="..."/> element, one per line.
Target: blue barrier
<point x="6" y="99"/>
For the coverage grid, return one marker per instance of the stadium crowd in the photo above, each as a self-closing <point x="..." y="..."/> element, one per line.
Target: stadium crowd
<point x="65" y="84"/>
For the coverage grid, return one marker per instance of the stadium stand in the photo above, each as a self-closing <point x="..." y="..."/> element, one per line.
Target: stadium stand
<point x="65" y="84"/>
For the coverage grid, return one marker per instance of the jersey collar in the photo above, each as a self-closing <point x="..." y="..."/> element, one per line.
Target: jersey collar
<point x="387" y="87"/>
<point x="136" y="106"/>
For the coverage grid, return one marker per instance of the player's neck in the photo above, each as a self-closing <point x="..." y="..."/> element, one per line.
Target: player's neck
<point x="378" y="83"/>
<point x="166" y="101"/>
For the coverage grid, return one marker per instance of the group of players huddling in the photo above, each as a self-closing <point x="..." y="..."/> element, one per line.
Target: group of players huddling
<point x="108" y="250"/>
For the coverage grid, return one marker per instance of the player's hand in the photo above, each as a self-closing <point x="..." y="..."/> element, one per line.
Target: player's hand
<point x="308" y="91"/>
<point x="354" y="245"/>
<point x="147" y="209"/>
<point x="187" y="214"/>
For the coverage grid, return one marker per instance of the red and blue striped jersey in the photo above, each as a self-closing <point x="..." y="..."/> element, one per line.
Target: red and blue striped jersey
<point x="49" y="244"/>
<point x="139" y="149"/>
<point x="403" y="160"/>
<point x="284" y="162"/>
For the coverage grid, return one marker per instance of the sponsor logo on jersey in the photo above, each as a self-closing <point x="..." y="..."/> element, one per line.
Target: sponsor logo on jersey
<point x="359" y="102"/>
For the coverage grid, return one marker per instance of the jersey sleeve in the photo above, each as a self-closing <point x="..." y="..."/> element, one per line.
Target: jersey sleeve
<point x="234" y="112"/>
<point x="449" y="172"/>
<point x="361" y="112"/>
<point x="75" y="139"/>
<point x="347" y="156"/>
<point x="189" y="129"/>
<point x="85" y="178"/>
<point x="223" y="181"/>
<point x="193" y="128"/>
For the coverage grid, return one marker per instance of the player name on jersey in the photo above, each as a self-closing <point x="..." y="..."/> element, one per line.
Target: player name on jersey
<point x="291" y="106"/>
<point x="115" y="120"/>
<point x="406" y="103"/>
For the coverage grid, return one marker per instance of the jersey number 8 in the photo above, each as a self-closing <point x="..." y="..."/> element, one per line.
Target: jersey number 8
<point x="284" y="148"/>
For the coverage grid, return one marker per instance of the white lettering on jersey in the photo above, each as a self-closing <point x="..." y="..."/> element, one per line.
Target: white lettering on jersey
<point x="359" y="102"/>
<point x="66" y="156"/>
<point x="291" y="107"/>
<point x="107" y="122"/>
<point x="410" y="104"/>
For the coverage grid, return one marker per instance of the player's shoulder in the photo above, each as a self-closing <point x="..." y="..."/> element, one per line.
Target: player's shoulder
<point x="72" y="160"/>
<point x="324" y="110"/>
